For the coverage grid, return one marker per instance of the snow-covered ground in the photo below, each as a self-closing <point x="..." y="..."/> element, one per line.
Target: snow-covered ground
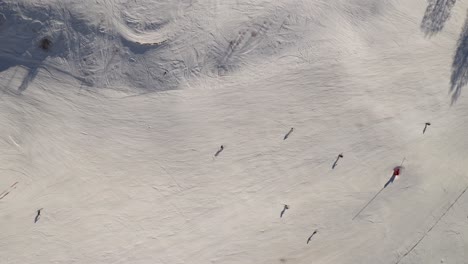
<point x="113" y="131"/>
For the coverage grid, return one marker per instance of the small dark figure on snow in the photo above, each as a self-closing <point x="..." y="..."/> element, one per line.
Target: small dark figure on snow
<point x="425" y="127"/>
<point x="315" y="232"/>
<point x="219" y="151"/>
<point x="289" y="133"/>
<point x="336" y="161"/>
<point x="45" y="44"/>
<point x="38" y="215"/>
<point x="286" y="207"/>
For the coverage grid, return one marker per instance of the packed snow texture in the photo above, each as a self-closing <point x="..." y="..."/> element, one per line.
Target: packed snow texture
<point x="114" y="131"/>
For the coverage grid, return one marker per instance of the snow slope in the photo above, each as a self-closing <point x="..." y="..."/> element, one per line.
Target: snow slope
<point x="113" y="131"/>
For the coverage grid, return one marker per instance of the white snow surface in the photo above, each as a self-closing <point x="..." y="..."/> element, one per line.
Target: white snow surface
<point x="113" y="131"/>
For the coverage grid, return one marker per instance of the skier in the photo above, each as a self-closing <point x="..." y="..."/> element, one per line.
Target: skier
<point x="38" y="215"/>
<point x="289" y="133"/>
<point x="315" y="232"/>
<point x="219" y="151"/>
<point x="336" y="161"/>
<point x="286" y="207"/>
<point x="425" y="127"/>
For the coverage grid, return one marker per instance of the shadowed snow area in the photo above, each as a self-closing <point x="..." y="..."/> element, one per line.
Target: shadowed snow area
<point x="235" y="131"/>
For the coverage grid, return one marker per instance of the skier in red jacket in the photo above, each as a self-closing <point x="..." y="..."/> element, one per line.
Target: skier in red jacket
<point x="396" y="172"/>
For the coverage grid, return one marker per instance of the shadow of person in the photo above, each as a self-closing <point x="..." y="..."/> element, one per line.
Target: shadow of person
<point x="219" y="151"/>
<point x="425" y="127"/>
<point x="38" y="216"/>
<point x="336" y="161"/>
<point x="310" y="238"/>
<point x="286" y="207"/>
<point x="289" y="133"/>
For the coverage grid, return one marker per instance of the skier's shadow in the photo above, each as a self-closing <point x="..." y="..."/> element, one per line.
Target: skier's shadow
<point x="289" y="133"/>
<point x="219" y="151"/>
<point x="38" y="216"/>
<point x="286" y="207"/>
<point x="336" y="161"/>
<point x="310" y="238"/>
<point x="390" y="180"/>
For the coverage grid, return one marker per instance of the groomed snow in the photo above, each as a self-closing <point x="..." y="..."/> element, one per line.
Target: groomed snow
<point x="113" y="131"/>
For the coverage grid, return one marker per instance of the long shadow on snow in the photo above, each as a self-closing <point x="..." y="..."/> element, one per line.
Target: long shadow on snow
<point x="31" y="66"/>
<point x="391" y="180"/>
<point x="437" y="13"/>
<point x="459" y="76"/>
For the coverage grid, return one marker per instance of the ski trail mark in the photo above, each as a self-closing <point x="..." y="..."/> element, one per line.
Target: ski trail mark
<point x="430" y="229"/>
<point x="367" y="204"/>
<point x="246" y="40"/>
<point x="219" y="151"/>
<point x="7" y="191"/>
